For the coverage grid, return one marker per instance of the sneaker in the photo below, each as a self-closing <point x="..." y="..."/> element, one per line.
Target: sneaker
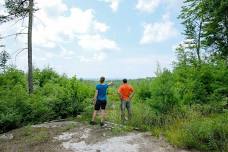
<point x="92" y="123"/>
<point x="102" y="124"/>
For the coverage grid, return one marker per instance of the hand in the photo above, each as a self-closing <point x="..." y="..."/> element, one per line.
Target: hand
<point x="110" y="83"/>
<point x="130" y="98"/>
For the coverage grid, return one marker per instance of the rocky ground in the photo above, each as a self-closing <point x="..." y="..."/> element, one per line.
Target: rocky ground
<point x="71" y="136"/>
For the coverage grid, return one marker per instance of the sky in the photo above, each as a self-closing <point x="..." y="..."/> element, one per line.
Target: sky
<point x="92" y="38"/>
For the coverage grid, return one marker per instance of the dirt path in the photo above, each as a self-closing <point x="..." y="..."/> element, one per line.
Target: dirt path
<point x="70" y="136"/>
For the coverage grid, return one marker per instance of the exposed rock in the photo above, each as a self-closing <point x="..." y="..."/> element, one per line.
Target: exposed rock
<point x="6" y="136"/>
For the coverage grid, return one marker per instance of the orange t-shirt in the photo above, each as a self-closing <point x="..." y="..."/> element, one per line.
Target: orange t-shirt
<point x="125" y="91"/>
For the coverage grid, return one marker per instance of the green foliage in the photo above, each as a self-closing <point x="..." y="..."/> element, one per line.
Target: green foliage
<point x="15" y="9"/>
<point x="187" y="105"/>
<point x="205" y="22"/>
<point x="206" y="134"/>
<point x="144" y="90"/>
<point x="54" y="97"/>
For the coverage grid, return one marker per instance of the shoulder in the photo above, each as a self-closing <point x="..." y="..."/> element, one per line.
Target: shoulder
<point x="130" y="86"/>
<point x="98" y="85"/>
<point x="121" y="86"/>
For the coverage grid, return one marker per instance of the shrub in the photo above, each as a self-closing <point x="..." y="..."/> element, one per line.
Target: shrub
<point x="54" y="97"/>
<point x="206" y="134"/>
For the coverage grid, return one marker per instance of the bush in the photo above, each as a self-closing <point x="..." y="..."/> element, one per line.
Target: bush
<point x="54" y="97"/>
<point x="206" y="134"/>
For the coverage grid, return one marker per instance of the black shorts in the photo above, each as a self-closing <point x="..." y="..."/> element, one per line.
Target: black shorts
<point x="100" y="104"/>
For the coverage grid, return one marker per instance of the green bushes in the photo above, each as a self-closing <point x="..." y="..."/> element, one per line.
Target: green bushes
<point x="204" y="133"/>
<point x="54" y="97"/>
<point x="207" y="134"/>
<point x="187" y="105"/>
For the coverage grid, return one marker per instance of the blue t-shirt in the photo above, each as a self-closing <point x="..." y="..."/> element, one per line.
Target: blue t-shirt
<point x="102" y="91"/>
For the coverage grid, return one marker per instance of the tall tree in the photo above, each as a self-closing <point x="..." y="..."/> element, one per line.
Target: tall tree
<point x="206" y="23"/>
<point x="216" y="27"/>
<point x="20" y="9"/>
<point x="30" y="22"/>
<point x="193" y="19"/>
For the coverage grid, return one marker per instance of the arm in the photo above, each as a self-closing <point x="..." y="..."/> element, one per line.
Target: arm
<point x="110" y="83"/>
<point x="132" y="94"/>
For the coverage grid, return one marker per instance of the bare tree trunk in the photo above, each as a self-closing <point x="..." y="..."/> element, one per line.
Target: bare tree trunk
<point x="199" y="41"/>
<point x="30" y="22"/>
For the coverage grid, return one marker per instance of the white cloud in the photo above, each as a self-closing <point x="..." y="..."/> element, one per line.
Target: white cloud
<point x="96" y="42"/>
<point x="114" y="4"/>
<point x="56" y="26"/>
<point x="101" y="27"/>
<point x="99" y="56"/>
<point x="52" y="29"/>
<point x="165" y="61"/>
<point x="150" y="6"/>
<point x="158" y="31"/>
<point x="147" y="5"/>
<point x="174" y="4"/>
<point x="79" y="25"/>
<point x="58" y="5"/>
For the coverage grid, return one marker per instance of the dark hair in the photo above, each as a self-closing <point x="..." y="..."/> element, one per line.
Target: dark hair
<point x="102" y="79"/>
<point x="124" y="80"/>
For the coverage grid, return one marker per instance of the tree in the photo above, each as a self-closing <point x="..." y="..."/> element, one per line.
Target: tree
<point x="20" y="9"/>
<point x="30" y="83"/>
<point x="206" y="23"/>
<point x="4" y="56"/>
<point x="216" y="28"/>
<point x="193" y="19"/>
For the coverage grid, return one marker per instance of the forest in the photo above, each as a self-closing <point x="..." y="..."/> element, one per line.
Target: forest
<point x="187" y="104"/>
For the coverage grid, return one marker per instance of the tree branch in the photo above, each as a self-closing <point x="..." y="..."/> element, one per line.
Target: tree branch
<point x="19" y="53"/>
<point x="16" y="34"/>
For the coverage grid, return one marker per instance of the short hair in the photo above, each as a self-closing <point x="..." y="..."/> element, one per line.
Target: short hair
<point x="124" y="80"/>
<point x="102" y="79"/>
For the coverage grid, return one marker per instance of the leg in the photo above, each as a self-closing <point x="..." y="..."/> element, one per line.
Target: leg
<point x="102" y="115"/>
<point x="94" y="115"/>
<point x="122" y="107"/>
<point x="96" y="109"/>
<point x="103" y="106"/>
<point x="128" y="105"/>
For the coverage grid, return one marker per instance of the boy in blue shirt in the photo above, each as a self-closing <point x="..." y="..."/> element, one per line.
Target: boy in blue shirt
<point x="100" y="100"/>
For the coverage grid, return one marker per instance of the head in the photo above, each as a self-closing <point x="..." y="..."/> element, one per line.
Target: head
<point x="124" y="81"/>
<point x="102" y="79"/>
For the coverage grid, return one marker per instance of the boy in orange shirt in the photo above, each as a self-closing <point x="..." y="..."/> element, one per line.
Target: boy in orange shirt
<point x="126" y="93"/>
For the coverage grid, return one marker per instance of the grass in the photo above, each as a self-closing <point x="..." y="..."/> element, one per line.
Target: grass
<point x="34" y="136"/>
<point x="203" y="133"/>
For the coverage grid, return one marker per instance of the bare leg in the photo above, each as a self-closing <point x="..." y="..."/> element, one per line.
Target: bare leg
<point x="94" y="115"/>
<point x="102" y="115"/>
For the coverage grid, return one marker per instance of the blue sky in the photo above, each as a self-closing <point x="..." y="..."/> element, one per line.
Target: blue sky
<point x="91" y="38"/>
